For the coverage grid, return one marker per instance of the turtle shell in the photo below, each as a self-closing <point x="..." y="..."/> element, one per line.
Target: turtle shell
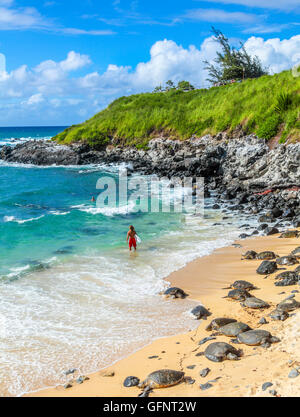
<point x="287" y="260"/>
<point x="200" y="312"/>
<point x="215" y="324"/>
<point x="266" y="256"/>
<point x="288" y="305"/>
<point x="238" y="294"/>
<point x="163" y="378"/>
<point x="175" y="292"/>
<point x="254" y="302"/>
<point x="218" y="351"/>
<point x="233" y="329"/>
<point x="254" y="337"/>
<point x="242" y="285"/>
<point x="250" y="254"/>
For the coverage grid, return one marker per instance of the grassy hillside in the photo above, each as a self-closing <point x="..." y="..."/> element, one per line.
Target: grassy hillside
<point x="267" y="106"/>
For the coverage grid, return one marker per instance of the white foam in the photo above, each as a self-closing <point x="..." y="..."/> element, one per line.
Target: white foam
<point x="7" y="219"/>
<point x="107" y="211"/>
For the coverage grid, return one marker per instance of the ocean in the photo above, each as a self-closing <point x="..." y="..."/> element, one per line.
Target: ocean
<point x="71" y="295"/>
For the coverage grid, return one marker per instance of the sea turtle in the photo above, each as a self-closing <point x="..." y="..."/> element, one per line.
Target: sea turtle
<point x="175" y="292"/>
<point x="286" y="278"/>
<point x="240" y="295"/>
<point x="267" y="267"/>
<point x="215" y="324"/>
<point x="254" y="302"/>
<point x="296" y="251"/>
<point x="162" y="379"/>
<point x="233" y="329"/>
<point x="279" y="315"/>
<point x="289" y="234"/>
<point x="287" y="260"/>
<point x="257" y="337"/>
<point x="288" y="305"/>
<point x="200" y="312"/>
<point x="266" y="256"/>
<point x="250" y="254"/>
<point x="220" y="351"/>
<point x="242" y="285"/>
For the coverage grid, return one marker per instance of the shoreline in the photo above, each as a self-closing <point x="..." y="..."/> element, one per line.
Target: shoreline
<point x="216" y="271"/>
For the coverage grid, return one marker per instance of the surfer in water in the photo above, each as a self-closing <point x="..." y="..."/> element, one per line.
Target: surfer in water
<point x="93" y="199"/>
<point x="131" y="237"/>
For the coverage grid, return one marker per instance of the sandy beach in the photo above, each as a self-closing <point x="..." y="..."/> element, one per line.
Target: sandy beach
<point x="204" y="280"/>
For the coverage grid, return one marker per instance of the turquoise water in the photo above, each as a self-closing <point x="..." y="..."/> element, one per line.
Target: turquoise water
<point x="71" y="295"/>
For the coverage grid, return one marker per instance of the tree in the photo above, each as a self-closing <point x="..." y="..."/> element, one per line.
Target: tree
<point x="158" y="89"/>
<point x="233" y="63"/>
<point x="185" y="86"/>
<point x="170" y="85"/>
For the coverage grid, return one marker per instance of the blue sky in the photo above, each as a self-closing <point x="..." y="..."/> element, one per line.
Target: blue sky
<point x="66" y="60"/>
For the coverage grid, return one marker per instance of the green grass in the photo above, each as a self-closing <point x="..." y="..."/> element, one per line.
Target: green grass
<point x="265" y="106"/>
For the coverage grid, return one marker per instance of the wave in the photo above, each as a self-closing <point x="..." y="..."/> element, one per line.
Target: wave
<point x="8" y="219"/>
<point x="107" y="211"/>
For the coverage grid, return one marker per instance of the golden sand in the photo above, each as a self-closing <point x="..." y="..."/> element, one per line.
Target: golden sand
<point x="204" y="280"/>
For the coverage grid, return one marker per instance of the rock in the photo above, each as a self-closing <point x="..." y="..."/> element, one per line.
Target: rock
<point x="293" y="373"/>
<point x="262" y="321"/>
<point x="204" y="372"/>
<point x="206" y="386"/>
<point x="131" y="381"/>
<point x="67" y="386"/>
<point x="266" y="385"/>
<point x="271" y="231"/>
<point x="191" y="367"/>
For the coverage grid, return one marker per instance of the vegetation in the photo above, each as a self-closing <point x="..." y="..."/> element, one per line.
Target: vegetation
<point x="268" y="106"/>
<point x="170" y="86"/>
<point x="232" y="63"/>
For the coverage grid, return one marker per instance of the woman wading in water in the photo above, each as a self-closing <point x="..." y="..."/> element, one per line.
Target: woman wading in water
<point x="131" y="236"/>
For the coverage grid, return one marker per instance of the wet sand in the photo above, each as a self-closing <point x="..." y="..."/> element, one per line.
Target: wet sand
<point x="204" y="280"/>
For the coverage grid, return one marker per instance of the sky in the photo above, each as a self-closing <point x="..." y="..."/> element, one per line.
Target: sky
<point x="62" y="61"/>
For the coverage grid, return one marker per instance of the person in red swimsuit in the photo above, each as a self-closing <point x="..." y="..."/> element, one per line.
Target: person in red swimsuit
<point x="131" y="236"/>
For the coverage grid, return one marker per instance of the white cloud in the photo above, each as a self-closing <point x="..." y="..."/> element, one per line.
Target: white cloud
<point x="2" y="63"/>
<point x="268" y="4"/>
<point x="276" y="54"/>
<point x="217" y="15"/>
<point x="60" y="96"/>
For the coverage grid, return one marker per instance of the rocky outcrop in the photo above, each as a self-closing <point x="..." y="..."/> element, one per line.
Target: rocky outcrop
<point x="243" y="171"/>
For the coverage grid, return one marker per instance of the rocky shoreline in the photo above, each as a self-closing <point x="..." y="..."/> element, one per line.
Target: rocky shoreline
<point x="243" y="173"/>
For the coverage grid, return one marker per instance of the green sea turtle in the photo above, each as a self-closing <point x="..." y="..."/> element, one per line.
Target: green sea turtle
<point x="286" y="278"/>
<point x="288" y="305"/>
<point x="250" y="254"/>
<point x="239" y="295"/>
<point x="279" y="315"/>
<point x="220" y="351"/>
<point x="162" y="379"/>
<point x="242" y="285"/>
<point x="215" y="324"/>
<point x="267" y="267"/>
<point x="289" y="234"/>
<point x="200" y="312"/>
<point x="254" y="302"/>
<point x="233" y="329"/>
<point x="266" y="256"/>
<point x="175" y="292"/>
<point x="287" y="260"/>
<point x="296" y="251"/>
<point x="257" y="337"/>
